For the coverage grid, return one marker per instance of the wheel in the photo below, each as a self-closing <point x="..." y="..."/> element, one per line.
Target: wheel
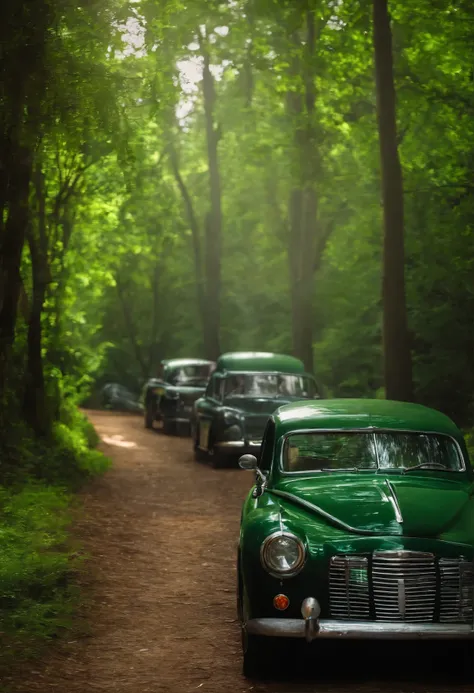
<point x="239" y="604"/>
<point x="199" y="455"/>
<point x="218" y="461"/>
<point x="263" y="656"/>
<point x="169" y="427"/>
<point x="149" y="416"/>
<point x="255" y="650"/>
<point x="183" y="429"/>
<point x="266" y="657"/>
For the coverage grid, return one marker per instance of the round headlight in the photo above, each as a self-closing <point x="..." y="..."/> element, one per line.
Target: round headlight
<point x="230" y="418"/>
<point x="233" y="433"/>
<point x="282" y="554"/>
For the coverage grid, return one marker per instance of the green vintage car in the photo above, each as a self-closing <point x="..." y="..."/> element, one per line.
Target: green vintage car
<point x="360" y="525"/>
<point x="245" y="388"/>
<point x="170" y="397"/>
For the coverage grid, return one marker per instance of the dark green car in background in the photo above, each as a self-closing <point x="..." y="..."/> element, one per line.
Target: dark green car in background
<point x="169" y="398"/>
<point x="245" y="388"/>
<point x="360" y="525"/>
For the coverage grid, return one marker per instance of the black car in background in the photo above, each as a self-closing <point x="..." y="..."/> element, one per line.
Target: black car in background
<point x="119" y="398"/>
<point x="170" y="397"/>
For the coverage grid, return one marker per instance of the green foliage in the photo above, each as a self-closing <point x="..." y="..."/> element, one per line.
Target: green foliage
<point x="133" y="227"/>
<point x="66" y="458"/>
<point x="36" y="567"/>
<point x="38" y="589"/>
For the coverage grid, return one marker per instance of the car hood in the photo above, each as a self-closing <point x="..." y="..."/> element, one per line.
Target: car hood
<point x="428" y="506"/>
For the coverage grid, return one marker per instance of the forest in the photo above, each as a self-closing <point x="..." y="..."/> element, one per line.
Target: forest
<point x="189" y="177"/>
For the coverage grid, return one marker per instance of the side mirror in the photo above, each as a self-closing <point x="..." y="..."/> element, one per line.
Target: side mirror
<point x="248" y="462"/>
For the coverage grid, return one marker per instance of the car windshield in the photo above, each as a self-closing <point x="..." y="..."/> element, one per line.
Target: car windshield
<point x="269" y="385"/>
<point x="197" y="375"/>
<point x="305" y="452"/>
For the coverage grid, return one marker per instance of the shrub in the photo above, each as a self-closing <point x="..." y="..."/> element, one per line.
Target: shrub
<point x="38" y="562"/>
<point x="36" y="597"/>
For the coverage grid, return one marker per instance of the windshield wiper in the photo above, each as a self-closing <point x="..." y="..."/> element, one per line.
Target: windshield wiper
<point x="427" y="465"/>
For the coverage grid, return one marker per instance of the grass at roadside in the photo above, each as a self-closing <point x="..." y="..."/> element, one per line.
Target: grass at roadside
<point x="39" y="561"/>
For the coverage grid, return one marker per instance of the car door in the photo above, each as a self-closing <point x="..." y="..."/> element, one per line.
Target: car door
<point x="207" y="408"/>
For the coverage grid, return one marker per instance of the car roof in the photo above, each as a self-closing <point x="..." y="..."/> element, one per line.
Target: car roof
<point x="176" y="363"/>
<point x="259" y="361"/>
<point x="350" y="414"/>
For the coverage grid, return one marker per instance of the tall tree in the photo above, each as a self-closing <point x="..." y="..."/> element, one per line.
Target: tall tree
<point x="213" y="224"/>
<point x="23" y="74"/>
<point x="303" y="203"/>
<point x="397" y="354"/>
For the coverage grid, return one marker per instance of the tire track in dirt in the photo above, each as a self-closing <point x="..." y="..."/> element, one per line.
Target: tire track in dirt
<point x="162" y="532"/>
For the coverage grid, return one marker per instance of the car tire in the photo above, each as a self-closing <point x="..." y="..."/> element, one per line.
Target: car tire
<point x="169" y="427"/>
<point x="255" y="650"/>
<point x="217" y="460"/>
<point x="149" y="416"/>
<point x="239" y="605"/>
<point x="183" y="429"/>
<point x="257" y="662"/>
<point x="199" y="455"/>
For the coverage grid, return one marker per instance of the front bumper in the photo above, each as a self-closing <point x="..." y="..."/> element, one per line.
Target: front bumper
<point x="296" y="628"/>
<point x="242" y="447"/>
<point x="178" y="419"/>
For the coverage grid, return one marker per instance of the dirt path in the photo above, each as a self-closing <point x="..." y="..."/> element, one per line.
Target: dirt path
<point x="162" y="531"/>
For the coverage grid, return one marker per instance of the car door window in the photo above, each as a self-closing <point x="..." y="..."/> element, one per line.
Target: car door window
<point x="213" y="388"/>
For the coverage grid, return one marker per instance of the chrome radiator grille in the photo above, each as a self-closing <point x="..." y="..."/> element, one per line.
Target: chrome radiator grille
<point x="349" y="587"/>
<point x="404" y="586"/>
<point x="457" y="591"/>
<point x="255" y="426"/>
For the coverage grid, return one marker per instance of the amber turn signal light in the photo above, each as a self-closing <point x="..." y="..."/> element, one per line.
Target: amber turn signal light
<point x="281" y="602"/>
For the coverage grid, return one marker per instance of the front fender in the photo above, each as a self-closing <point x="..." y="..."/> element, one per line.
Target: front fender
<point x="262" y="517"/>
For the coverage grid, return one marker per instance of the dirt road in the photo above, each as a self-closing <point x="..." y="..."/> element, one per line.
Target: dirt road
<point x="162" y="532"/>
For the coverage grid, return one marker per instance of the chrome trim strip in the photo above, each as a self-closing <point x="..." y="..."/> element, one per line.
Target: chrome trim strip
<point x="394" y="501"/>
<point x="323" y="513"/>
<point x="237" y="444"/>
<point x="295" y="628"/>
<point x="229" y="444"/>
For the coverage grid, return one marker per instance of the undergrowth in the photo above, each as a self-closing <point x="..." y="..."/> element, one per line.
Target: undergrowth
<point x="39" y="562"/>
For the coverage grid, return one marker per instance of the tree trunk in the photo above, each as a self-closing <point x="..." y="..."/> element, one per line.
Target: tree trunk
<point x="35" y="409"/>
<point x="397" y="356"/>
<point x="10" y="254"/>
<point x="4" y="174"/>
<point x="155" y="287"/>
<point x="197" y="251"/>
<point x="303" y="244"/>
<point x="23" y="35"/>
<point x="213" y="230"/>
